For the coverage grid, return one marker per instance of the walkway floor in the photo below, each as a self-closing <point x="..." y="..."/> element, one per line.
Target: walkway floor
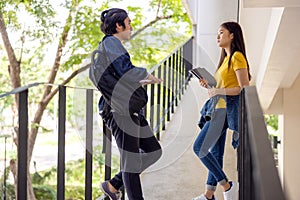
<point x="179" y="174"/>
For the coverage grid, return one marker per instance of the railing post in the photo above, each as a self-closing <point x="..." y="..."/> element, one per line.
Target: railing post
<point x="22" y="146"/>
<point x="188" y="56"/>
<point x="164" y="95"/>
<point x="173" y="94"/>
<point x="89" y="145"/>
<point x="176" y="74"/>
<point x="169" y="89"/>
<point x="158" y="107"/>
<point x="145" y="109"/>
<point x="180" y="72"/>
<point x="107" y="150"/>
<point x="61" y="143"/>
<point x="4" y="172"/>
<point x="152" y="105"/>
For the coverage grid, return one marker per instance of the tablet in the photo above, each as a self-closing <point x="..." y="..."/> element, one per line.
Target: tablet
<point x="202" y="73"/>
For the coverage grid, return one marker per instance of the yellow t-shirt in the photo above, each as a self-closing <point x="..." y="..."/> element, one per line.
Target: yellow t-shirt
<point x="226" y="77"/>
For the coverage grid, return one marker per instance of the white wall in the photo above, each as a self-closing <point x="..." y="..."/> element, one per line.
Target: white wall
<point x="208" y="15"/>
<point x="290" y="138"/>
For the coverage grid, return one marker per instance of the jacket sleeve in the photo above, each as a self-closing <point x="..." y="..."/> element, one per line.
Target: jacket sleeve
<point x="121" y="62"/>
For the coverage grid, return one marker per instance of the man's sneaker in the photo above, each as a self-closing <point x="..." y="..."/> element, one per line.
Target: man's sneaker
<point x="233" y="193"/>
<point x="202" y="197"/>
<point x="111" y="195"/>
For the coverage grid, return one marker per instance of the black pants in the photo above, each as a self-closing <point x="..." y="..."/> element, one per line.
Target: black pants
<point x="138" y="150"/>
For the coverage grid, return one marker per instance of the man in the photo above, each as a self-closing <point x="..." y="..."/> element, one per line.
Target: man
<point x="137" y="145"/>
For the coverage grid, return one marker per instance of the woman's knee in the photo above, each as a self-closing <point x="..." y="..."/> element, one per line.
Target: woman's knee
<point x="200" y="151"/>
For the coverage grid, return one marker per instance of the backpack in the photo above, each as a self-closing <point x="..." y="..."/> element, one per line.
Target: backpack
<point x="122" y="97"/>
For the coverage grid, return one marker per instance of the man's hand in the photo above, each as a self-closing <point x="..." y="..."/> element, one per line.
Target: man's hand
<point x="150" y="80"/>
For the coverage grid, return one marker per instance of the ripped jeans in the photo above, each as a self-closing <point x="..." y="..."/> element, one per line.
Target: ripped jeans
<point x="209" y="147"/>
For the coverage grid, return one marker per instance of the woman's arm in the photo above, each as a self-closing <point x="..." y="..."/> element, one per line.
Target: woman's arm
<point x="242" y="77"/>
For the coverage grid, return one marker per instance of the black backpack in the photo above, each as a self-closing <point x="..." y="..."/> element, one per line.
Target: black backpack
<point x="122" y="97"/>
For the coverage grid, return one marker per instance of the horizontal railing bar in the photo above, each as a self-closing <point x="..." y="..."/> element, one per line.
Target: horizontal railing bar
<point x="20" y="89"/>
<point x="23" y="88"/>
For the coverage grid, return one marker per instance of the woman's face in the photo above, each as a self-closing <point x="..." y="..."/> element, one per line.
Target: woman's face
<point x="224" y="37"/>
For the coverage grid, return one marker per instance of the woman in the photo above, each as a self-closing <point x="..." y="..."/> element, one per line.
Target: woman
<point x="232" y="75"/>
<point x="137" y="145"/>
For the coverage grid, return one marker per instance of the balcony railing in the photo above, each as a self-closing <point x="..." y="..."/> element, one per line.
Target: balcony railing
<point x="257" y="172"/>
<point x="163" y="99"/>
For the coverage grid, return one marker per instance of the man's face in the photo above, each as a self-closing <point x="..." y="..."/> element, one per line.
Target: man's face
<point x="124" y="33"/>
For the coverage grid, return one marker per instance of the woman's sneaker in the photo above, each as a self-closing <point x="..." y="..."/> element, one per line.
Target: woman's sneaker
<point x="202" y="197"/>
<point x="233" y="193"/>
<point x="111" y="195"/>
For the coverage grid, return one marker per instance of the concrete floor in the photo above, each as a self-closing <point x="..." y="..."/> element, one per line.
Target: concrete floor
<point x="179" y="174"/>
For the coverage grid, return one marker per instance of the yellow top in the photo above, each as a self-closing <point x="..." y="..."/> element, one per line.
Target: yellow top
<point x="226" y="77"/>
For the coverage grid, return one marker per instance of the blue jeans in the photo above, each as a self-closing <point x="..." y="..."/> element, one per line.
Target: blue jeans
<point x="209" y="147"/>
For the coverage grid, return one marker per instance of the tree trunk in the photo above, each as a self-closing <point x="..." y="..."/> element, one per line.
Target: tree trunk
<point x="13" y="169"/>
<point x="48" y="95"/>
<point x="14" y="73"/>
<point x="14" y="64"/>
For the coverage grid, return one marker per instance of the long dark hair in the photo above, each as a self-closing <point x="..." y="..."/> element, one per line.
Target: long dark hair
<point x="111" y="17"/>
<point x="237" y="44"/>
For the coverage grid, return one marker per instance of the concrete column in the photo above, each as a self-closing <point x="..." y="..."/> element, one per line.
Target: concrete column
<point x="210" y="15"/>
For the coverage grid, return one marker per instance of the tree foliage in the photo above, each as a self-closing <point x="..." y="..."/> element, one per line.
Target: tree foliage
<point x="272" y="121"/>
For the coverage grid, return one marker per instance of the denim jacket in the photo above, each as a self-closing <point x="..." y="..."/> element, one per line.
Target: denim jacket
<point x="232" y="110"/>
<point x="119" y="59"/>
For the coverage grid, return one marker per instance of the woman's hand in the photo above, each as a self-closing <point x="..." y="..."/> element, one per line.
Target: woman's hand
<point x="216" y="91"/>
<point x="203" y="83"/>
<point x="212" y="92"/>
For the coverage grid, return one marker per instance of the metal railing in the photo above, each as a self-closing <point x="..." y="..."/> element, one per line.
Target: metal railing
<point x="173" y="70"/>
<point x="162" y="101"/>
<point x="257" y="172"/>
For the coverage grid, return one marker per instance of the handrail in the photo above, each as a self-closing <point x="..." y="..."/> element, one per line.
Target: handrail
<point x="257" y="172"/>
<point x="20" y="89"/>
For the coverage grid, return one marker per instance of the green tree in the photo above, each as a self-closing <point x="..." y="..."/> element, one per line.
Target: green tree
<point x="272" y="121"/>
<point x="72" y="28"/>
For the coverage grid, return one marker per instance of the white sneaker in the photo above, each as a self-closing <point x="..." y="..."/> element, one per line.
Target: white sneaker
<point x="202" y="197"/>
<point x="233" y="193"/>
